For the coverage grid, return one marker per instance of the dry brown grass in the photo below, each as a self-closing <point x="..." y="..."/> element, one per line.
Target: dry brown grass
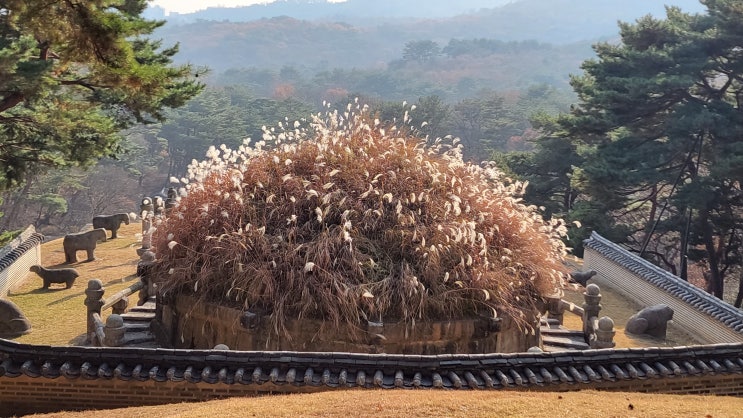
<point x="429" y="403"/>
<point x="351" y="221"/>
<point x="57" y="315"/>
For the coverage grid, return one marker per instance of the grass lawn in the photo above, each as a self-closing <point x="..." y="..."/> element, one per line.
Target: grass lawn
<point x="440" y="403"/>
<point x="57" y="314"/>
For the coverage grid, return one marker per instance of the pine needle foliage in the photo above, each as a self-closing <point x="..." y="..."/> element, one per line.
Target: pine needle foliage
<point x="343" y="219"/>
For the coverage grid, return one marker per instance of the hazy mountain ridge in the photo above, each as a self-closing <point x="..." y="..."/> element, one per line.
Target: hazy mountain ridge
<point x="311" y="44"/>
<point x="353" y="10"/>
<point x="365" y="12"/>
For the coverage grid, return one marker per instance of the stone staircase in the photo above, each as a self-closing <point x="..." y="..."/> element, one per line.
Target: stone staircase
<point x="555" y="337"/>
<point x="137" y="323"/>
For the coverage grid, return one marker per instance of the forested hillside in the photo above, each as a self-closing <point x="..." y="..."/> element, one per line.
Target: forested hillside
<point x="505" y="48"/>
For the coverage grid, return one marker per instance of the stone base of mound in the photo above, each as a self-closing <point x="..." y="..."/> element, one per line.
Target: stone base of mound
<point x="185" y="322"/>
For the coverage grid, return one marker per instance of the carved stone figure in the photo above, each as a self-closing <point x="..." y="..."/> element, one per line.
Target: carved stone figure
<point x="12" y="321"/>
<point x="582" y="277"/>
<point x="111" y="222"/>
<point x="652" y="321"/>
<point x="87" y="241"/>
<point x="65" y="275"/>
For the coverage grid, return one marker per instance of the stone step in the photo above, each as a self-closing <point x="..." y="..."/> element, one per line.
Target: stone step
<point x="137" y="338"/>
<point x="138" y="316"/>
<point x="553" y="348"/>
<point x="143" y="308"/>
<point x="148" y="306"/>
<point x="137" y="326"/>
<point x="565" y="342"/>
<point x="549" y="323"/>
<point x="561" y="332"/>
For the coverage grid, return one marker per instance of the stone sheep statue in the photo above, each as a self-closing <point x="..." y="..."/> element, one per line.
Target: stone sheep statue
<point x="66" y="275"/>
<point x="652" y="321"/>
<point x="111" y="222"/>
<point x="87" y="241"/>
<point x="582" y="277"/>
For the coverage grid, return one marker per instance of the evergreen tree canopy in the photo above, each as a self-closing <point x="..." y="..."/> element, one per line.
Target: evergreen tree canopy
<point x="661" y="126"/>
<point x="73" y="75"/>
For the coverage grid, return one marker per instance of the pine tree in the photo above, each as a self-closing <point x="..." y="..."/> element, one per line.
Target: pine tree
<point x="73" y="75"/>
<point x="660" y="121"/>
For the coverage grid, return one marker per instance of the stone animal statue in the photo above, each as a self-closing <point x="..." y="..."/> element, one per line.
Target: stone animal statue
<point x="582" y="277"/>
<point x="652" y="321"/>
<point x="87" y="241"/>
<point x="65" y="275"/>
<point x="12" y="321"/>
<point x="111" y="222"/>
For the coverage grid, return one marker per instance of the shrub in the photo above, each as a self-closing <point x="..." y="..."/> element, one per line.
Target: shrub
<point x="347" y="220"/>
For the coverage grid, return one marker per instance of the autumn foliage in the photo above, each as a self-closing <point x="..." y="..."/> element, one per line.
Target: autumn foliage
<point x="343" y="219"/>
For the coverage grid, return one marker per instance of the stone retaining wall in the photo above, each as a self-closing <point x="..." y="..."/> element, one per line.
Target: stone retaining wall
<point x="186" y="323"/>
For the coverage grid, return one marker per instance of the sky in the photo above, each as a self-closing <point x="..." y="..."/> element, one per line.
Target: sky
<point x="189" y="6"/>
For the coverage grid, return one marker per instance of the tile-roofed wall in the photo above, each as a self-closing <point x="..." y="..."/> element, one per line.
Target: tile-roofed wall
<point x="701" y="315"/>
<point x="112" y="377"/>
<point x="17" y="256"/>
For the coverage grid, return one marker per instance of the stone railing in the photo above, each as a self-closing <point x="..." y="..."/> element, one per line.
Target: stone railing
<point x="598" y="332"/>
<point x="17" y="256"/>
<point x="111" y="332"/>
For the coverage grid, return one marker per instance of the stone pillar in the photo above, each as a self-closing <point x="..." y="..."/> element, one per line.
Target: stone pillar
<point x="555" y="309"/>
<point x="591" y="308"/>
<point x="604" y="334"/>
<point x="146" y="211"/>
<point x="171" y="201"/>
<point x="94" y="302"/>
<point x="115" y="331"/>
<point x="144" y="266"/>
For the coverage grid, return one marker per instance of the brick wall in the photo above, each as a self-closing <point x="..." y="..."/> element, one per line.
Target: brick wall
<point x="26" y="395"/>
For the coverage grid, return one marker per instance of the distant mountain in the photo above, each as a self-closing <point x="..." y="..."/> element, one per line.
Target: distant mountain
<point x="350" y="10"/>
<point x="319" y="43"/>
<point x="362" y="12"/>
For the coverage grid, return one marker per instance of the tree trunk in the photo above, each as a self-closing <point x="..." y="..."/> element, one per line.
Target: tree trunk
<point x="11" y="100"/>
<point x="716" y="278"/>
